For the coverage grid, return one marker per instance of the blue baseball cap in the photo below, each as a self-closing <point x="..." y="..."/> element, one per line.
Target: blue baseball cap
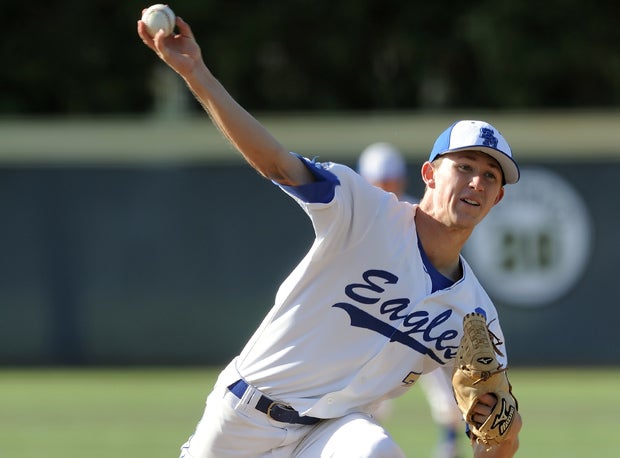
<point x="478" y="136"/>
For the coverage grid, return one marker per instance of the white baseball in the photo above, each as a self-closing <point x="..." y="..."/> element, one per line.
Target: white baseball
<point x="159" y="17"/>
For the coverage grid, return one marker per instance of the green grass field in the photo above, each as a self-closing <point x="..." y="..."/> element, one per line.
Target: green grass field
<point x="149" y="413"/>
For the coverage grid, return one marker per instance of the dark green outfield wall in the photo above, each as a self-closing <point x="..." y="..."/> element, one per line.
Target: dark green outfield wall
<point x="146" y="265"/>
<point x="148" y="241"/>
<point x="139" y="265"/>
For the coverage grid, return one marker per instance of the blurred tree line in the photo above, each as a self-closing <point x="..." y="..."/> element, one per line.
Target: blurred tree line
<point x="85" y="57"/>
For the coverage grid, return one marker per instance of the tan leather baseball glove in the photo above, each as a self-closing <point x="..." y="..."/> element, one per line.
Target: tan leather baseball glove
<point x="478" y="372"/>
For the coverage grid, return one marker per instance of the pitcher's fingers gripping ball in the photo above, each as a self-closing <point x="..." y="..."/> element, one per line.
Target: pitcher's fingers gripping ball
<point x="159" y="17"/>
<point x="477" y="372"/>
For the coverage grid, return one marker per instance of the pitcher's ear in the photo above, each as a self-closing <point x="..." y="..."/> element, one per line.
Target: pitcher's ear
<point x="428" y="174"/>
<point x="500" y="195"/>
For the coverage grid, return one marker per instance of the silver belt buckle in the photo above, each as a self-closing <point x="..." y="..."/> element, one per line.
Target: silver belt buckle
<point x="281" y="405"/>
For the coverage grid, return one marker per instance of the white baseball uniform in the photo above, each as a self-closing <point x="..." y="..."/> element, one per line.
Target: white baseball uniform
<point x="359" y="319"/>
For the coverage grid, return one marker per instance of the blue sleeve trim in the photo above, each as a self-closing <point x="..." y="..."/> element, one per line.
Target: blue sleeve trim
<point x="321" y="190"/>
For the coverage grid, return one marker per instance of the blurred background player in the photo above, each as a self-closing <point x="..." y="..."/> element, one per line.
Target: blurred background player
<point x="383" y="165"/>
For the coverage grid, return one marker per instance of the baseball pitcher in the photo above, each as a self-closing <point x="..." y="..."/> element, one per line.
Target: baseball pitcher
<point x="382" y="296"/>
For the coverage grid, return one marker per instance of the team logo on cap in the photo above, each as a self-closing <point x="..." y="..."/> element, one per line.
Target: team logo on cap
<point x="488" y="137"/>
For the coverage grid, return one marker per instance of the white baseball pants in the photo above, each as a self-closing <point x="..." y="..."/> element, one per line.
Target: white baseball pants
<point x="232" y="427"/>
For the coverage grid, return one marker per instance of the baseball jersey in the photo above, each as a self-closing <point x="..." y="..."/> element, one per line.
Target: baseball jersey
<point x="358" y="319"/>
